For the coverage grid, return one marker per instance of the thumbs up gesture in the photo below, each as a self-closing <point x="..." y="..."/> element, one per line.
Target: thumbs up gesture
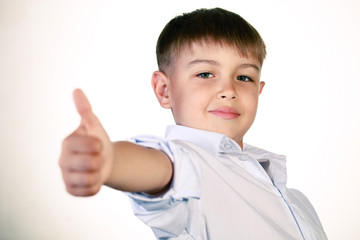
<point x="87" y="154"/>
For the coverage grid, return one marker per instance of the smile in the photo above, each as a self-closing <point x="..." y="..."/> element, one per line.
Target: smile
<point x="227" y="113"/>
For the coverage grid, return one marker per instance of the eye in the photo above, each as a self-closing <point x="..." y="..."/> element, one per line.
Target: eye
<point x="205" y="75"/>
<point x="244" y="78"/>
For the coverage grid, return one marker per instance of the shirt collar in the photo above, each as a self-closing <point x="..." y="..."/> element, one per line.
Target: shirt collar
<point x="217" y="143"/>
<point x="213" y="142"/>
<point x="274" y="164"/>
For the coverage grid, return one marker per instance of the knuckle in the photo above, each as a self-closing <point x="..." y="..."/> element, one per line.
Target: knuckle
<point x="93" y="144"/>
<point x="94" y="190"/>
<point x="92" y="179"/>
<point x="86" y="163"/>
<point x="82" y="191"/>
<point x="69" y="181"/>
<point x="81" y="143"/>
<point x="72" y="190"/>
<point x="66" y="141"/>
<point x="87" y="180"/>
<point x="92" y="163"/>
<point x="63" y="161"/>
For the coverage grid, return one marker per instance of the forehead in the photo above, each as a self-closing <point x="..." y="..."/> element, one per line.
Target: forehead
<point x="211" y="50"/>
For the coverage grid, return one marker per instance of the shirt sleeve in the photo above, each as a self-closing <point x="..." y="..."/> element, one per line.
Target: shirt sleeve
<point x="167" y="214"/>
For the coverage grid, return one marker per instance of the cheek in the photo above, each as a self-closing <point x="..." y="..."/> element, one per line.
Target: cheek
<point x="250" y="101"/>
<point x="180" y="106"/>
<point x="189" y="106"/>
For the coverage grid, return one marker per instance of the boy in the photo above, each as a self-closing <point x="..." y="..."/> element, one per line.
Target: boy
<point x="200" y="181"/>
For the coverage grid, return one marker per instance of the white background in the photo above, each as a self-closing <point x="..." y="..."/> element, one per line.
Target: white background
<point x="309" y="109"/>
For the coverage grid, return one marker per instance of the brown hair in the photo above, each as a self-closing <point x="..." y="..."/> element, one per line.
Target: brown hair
<point x="208" y="25"/>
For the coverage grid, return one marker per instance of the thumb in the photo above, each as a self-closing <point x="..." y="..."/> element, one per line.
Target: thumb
<point x="83" y="107"/>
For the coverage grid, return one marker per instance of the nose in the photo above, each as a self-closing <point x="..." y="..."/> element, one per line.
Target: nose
<point x="227" y="91"/>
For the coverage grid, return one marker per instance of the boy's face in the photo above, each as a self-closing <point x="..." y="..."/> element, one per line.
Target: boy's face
<point x="213" y="88"/>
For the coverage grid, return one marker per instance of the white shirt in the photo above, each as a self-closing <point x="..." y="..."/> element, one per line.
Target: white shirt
<point x="220" y="192"/>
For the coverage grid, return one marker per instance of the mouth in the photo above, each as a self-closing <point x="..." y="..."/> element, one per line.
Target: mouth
<point x="227" y="113"/>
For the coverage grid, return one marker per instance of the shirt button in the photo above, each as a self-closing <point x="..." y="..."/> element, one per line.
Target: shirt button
<point x="227" y="146"/>
<point x="243" y="158"/>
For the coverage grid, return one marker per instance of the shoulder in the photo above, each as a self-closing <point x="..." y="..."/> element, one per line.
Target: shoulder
<point x="299" y="198"/>
<point x="301" y="202"/>
<point x="152" y="141"/>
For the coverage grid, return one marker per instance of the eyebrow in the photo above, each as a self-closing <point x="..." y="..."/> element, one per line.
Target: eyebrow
<point x="197" y="61"/>
<point x="213" y="62"/>
<point x="250" y="65"/>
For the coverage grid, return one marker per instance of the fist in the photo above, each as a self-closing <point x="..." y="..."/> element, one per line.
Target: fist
<point x="87" y="154"/>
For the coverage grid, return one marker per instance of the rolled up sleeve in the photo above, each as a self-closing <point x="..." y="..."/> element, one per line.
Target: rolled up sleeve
<point x="167" y="214"/>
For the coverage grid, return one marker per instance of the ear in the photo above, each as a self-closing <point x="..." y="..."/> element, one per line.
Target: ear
<point x="160" y="83"/>
<point x="261" y="86"/>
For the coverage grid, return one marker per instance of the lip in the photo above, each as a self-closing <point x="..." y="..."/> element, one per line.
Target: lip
<point x="225" y="112"/>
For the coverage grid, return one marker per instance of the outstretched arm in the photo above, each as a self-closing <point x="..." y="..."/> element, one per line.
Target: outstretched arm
<point x="89" y="160"/>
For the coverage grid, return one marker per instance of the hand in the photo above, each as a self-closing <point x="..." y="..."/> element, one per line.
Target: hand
<point x="87" y="154"/>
